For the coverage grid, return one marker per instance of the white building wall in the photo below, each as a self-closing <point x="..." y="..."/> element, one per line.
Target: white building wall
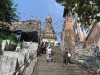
<point x="81" y="32"/>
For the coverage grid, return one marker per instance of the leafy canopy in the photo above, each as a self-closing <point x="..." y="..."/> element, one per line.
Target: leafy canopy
<point x="8" y="11"/>
<point x="89" y="9"/>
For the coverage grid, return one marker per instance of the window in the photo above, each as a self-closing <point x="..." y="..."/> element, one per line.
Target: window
<point x="78" y="39"/>
<point x="76" y="29"/>
<point x="86" y="30"/>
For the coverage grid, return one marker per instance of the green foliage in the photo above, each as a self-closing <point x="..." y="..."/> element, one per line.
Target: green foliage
<point x="0" y="42"/>
<point x="7" y="11"/>
<point x="5" y="34"/>
<point x="88" y="8"/>
<point x="12" y="38"/>
<point x="62" y="2"/>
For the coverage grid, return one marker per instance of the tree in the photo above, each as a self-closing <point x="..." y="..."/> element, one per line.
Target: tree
<point x="8" y="11"/>
<point x="86" y="9"/>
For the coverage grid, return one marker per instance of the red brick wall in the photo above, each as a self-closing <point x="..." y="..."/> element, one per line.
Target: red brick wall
<point x="69" y="31"/>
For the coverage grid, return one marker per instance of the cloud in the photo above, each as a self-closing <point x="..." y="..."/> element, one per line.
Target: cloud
<point x="55" y="8"/>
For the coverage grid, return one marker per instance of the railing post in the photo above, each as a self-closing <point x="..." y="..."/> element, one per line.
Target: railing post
<point x="81" y="70"/>
<point x="87" y="72"/>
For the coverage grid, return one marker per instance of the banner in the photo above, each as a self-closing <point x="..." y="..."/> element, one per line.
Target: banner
<point x="39" y="17"/>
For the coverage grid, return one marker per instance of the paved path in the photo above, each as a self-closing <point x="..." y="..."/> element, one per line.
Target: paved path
<point x="55" y="67"/>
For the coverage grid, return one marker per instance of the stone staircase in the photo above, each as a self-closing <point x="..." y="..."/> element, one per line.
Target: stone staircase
<point x="56" y="67"/>
<point x="74" y="69"/>
<point x="50" y="68"/>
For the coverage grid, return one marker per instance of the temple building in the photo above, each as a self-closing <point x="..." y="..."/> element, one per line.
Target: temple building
<point x="27" y="29"/>
<point x="49" y="34"/>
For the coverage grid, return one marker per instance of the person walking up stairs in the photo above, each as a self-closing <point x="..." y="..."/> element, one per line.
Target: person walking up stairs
<point x="51" y="68"/>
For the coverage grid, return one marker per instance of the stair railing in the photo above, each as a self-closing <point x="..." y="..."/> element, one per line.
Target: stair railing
<point x="25" y="64"/>
<point x="83" y="67"/>
<point x="20" y="67"/>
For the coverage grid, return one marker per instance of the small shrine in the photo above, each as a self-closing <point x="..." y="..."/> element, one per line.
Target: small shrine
<point x="49" y="32"/>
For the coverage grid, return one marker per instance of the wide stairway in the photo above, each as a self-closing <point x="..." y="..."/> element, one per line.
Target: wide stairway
<point x="56" y="67"/>
<point x="51" y="68"/>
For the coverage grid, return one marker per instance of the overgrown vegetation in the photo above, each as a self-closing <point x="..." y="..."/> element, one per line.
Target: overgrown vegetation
<point x="6" y="34"/>
<point x="86" y="9"/>
<point x="7" y="15"/>
<point x="8" y="11"/>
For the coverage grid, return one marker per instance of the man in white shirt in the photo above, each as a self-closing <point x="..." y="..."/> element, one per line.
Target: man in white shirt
<point x="48" y="52"/>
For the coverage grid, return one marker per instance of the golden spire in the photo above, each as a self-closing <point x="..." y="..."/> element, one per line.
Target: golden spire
<point x="49" y="19"/>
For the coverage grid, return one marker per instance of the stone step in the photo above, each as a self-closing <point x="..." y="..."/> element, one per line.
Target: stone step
<point x="56" y="67"/>
<point x="51" y="68"/>
<point x="76" y="70"/>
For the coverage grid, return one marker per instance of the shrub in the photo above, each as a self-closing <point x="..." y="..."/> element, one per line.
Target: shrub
<point x="5" y="34"/>
<point x="0" y="42"/>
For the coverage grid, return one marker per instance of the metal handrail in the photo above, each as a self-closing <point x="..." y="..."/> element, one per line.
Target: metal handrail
<point x="82" y="66"/>
<point x="25" y="63"/>
<point x="86" y="68"/>
<point x="20" y="67"/>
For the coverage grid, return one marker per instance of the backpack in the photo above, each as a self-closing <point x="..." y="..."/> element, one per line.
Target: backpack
<point x="43" y="46"/>
<point x="65" y="54"/>
<point x="52" y="52"/>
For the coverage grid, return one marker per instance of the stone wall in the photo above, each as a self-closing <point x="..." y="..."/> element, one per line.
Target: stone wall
<point x="99" y="44"/>
<point x="30" y="49"/>
<point x="21" y="56"/>
<point x="8" y="65"/>
<point x="7" y="45"/>
<point x="80" y="53"/>
<point x="29" y="70"/>
<point x="86" y="55"/>
<point x="10" y="61"/>
<point x="93" y="62"/>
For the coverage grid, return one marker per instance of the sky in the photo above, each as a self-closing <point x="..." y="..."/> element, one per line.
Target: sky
<point x="41" y="8"/>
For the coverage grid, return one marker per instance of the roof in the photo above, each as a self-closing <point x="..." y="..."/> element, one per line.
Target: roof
<point x="27" y="26"/>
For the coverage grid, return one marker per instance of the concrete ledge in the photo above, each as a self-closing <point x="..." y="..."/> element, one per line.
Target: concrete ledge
<point x="8" y="65"/>
<point x="29" y="69"/>
<point x="7" y="45"/>
<point x="21" y="56"/>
